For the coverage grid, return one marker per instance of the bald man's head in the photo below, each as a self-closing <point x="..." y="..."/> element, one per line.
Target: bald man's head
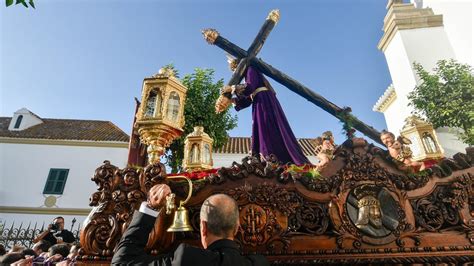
<point x="221" y="214"/>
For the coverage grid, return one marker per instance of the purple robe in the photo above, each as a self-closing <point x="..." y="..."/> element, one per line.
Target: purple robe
<point x="271" y="133"/>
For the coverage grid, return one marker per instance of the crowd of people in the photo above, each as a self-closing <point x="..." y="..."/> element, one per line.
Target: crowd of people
<point x="55" y="245"/>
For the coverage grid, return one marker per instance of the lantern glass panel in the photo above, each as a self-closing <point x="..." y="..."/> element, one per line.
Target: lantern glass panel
<point x="150" y="104"/>
<point x="414" y="146"/>
<point x="429" y="143"/>
<point x="194" y="154"/>
<point x="173" y="107"/>
<point x="207" y="154"/>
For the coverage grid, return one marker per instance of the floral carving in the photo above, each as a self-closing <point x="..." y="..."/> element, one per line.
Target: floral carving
<point x="153" y="174"/>
<point x="440" y="208"/>
<point x="309" y="218"/>
<point x="267" y="167"/>
<point x="303" y="217"/>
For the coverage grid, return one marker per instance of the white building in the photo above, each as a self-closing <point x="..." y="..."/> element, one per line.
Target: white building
<point x="237" y="148"/>
<point x="423" y="31"/>
<point x="46" y="165"/>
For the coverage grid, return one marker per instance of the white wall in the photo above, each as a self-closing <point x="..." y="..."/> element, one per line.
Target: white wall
<point x="393" y="119"/>
<point x="425" y="46"/>
<point x="27" y="121"/>
<point x="458" y="23"/>
<point x="403" y="79"/>
<point x="450" y="143"/>
<point x="24" y="169"/>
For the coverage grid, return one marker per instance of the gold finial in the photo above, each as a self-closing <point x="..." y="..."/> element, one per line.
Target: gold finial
<point x="274" y="15"/>
<point x="210" y="35"/>
<point x="414" y="121"/>
<point x="165" y="72"/>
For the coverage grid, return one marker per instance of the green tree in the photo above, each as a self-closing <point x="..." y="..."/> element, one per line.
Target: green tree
<point x="23" y="2"/>
<point x="445" y="97"/>
<point x="199" y="111"/>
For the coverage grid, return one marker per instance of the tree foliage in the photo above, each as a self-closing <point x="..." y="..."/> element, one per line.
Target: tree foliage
<point x="199" y="111"/>
<point x="445" y="97"/>
<point x="23" y="2"/>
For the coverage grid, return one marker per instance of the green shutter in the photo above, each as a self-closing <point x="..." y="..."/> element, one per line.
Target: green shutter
<point x="56" y="181"/>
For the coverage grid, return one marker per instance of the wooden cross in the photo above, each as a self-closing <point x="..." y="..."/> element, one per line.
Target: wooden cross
<point x="248" y="58"/>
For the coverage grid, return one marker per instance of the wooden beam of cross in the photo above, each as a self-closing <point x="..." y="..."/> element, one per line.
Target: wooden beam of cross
<point x="249" y="58"/>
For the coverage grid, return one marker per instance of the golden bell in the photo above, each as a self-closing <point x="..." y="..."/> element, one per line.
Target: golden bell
<point x="181" y="221"/>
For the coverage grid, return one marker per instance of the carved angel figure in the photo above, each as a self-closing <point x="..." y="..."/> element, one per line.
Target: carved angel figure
<point x="170" y="205"/>
<point x="400" y="151"/>
<point x="325" y="149"/>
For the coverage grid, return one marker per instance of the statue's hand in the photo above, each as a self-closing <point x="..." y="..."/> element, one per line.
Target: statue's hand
<point x="226" y="89"/>
<point x="222" y="104"/>
<point x="238" y="89"/>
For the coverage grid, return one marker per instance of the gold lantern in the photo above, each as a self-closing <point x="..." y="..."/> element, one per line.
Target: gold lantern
<point x="197" y="150"/>
<point x="161" y="115"/>
<point x="424" y="142"/>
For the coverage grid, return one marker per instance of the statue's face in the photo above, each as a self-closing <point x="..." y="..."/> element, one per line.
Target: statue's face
<point x="233" y="65"/>
<point x="387" y="139"/>
<point x="375" y="217"/>
<point x="396" y="145"/>
<point x="369" y="213"/>
<point x="327" y="144"/>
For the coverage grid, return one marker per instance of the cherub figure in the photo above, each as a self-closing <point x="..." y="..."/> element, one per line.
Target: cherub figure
<point x="400" y="151"/>
<point x="325" y="149"/>
<point x="170" y="205"/>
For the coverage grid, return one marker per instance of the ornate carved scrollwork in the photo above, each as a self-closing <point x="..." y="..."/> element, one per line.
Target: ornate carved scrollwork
<point x="441" y="208"/>
<point x="363" y="166"/>
<point x="310" y="218"/>
<point x="266" y="168"/>
<point x="362" y="205"/>
<point x="258" y="219"/>
<point x="152" y="175"/>
<point x="119" y="194"/>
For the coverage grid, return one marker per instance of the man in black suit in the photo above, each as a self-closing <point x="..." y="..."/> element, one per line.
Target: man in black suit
<point x="219" y="224"/>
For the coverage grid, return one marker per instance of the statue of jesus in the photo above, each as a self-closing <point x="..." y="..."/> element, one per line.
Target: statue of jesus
<point x="271" y="132"/>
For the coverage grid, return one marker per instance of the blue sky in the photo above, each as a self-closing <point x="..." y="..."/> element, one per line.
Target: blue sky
<point x="87" y="59"/>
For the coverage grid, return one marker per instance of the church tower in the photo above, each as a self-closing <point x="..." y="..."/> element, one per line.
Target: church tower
<point x="412" y="33"/>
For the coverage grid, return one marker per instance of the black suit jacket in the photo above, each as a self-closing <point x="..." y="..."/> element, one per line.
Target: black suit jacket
<point x="130" y="249"/>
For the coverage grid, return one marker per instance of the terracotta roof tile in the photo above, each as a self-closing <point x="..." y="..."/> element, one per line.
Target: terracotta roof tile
<point x="241" y="145"/>
<point x="66" y="129"/>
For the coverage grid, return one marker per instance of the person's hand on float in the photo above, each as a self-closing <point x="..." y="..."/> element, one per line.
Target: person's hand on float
<point x="157" y="196"/>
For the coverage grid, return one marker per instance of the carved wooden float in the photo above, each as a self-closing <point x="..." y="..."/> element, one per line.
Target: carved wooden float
<point x="364" y="210"/>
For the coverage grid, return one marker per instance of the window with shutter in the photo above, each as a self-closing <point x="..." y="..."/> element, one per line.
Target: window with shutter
<point x="56" y="181"/>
